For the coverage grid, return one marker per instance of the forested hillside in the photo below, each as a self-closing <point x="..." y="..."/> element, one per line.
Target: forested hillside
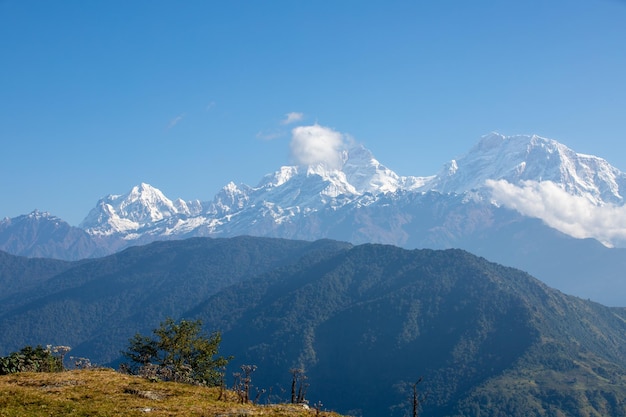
<point x="364" y="323"/>
<point x="21" y="274"/>
<point x="369" y="322"/>
<point x="96" y="305"/>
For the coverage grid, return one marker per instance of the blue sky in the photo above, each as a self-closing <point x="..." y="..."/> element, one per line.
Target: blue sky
<point x="98" y="96"/>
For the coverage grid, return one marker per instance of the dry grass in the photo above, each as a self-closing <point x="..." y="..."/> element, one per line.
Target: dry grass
<point x="104" y="392"/>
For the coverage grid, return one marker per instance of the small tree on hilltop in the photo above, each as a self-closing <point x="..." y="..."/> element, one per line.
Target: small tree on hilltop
<point x="178" y="352"/>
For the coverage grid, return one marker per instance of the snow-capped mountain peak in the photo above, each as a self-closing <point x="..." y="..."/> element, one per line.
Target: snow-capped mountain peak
<point x="366" y="174"/>
<point x="307" y="188"/>
<point x="278" y="178"/>
<point x="38" y="215"/>
<point x="359" y="173"/>
<point x="34" y="216"/>
<point x="143" y="204"/>
<point x="520" y="158"/>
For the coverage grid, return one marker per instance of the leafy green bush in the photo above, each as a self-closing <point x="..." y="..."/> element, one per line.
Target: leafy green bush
<point x="30" y="359"/>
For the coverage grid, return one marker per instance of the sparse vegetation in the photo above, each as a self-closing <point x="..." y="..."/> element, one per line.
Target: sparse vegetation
<point x="298" y="386"/>
<point x="243" y="382"/>
<point x="104" y="392"/>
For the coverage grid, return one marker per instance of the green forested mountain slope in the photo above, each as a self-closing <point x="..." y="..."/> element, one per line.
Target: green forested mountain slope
<point x="365" y="322"/>
<point x="18" y="273"/>
<point x="368" y="322"/>
<point x="97" y="305"/>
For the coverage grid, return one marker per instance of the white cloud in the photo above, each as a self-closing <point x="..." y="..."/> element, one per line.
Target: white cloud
<point x="292" y="117"/>
<point x="311" y="145"/>
<point x="573" y="215"/>
<point x="175" y="121"/>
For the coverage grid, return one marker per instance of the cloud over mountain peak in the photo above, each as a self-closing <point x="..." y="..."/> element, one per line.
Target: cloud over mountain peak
<point x="315" y="144"/>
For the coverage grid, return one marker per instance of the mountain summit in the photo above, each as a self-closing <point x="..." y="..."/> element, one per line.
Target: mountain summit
<point x="313" y="186"/>
<point x="367" y="175"/>
<point x="142" y="205"/>
<point x="516" y="159"/>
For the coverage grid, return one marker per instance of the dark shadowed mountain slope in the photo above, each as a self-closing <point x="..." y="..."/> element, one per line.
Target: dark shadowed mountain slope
<point x="368" y="322"/>
<point x="96" y="305"/>
<point x="18" y="273"/>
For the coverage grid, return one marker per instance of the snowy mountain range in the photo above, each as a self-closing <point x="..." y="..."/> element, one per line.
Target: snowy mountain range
<point x="497" y="170"/>
<point x="503" y="188"/>
<point x="283" y="196"/>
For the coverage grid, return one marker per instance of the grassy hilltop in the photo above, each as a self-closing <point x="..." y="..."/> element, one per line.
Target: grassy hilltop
<point x="104" y="392"/>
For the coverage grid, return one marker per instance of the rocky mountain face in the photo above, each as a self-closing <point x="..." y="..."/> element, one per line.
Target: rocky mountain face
<point x="42" y="235"/>
<point x="509" y="199"/>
